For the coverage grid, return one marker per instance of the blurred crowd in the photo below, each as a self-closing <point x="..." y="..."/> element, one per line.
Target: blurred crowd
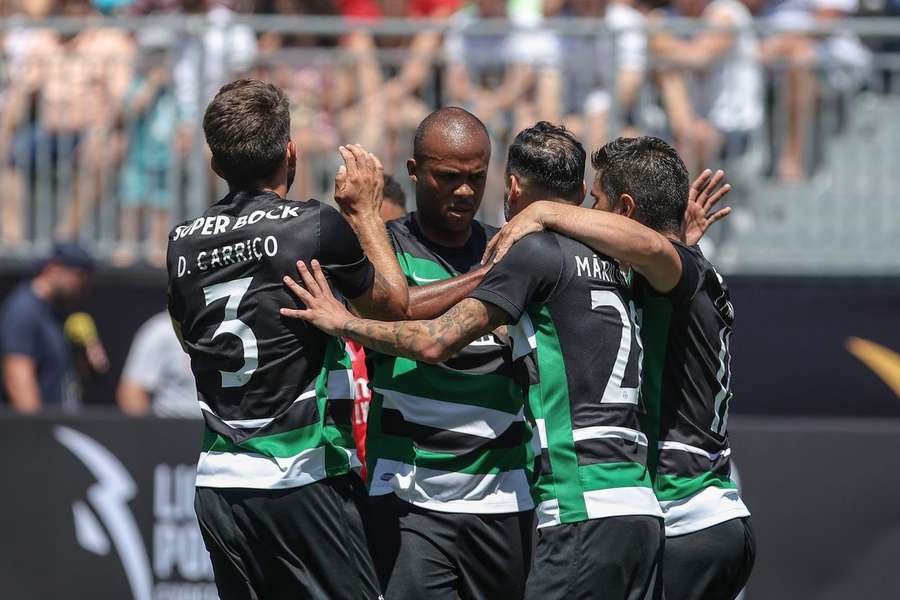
<point x="104" y="120"/>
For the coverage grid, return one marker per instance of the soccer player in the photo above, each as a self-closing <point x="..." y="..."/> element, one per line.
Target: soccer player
<point x="641" y="189"/>
<point x="278" y="505"/>
<point x="447" y="444"/>
<point x="576" y="340"/>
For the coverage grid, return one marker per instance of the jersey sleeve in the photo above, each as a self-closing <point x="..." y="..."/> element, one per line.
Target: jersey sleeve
<point x="341" y="256"/>
<point x="690" y="275"/>
<point x="528" y="273"/>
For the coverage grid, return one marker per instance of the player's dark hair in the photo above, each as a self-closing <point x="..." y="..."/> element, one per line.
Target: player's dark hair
<point x="651" y="172"/>
<point x="248" y="127"/>
<point x="393" y="193"/>
<point x="549" y="160"/>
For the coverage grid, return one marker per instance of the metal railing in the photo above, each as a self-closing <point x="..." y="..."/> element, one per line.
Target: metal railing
<point x="100" y="135"/>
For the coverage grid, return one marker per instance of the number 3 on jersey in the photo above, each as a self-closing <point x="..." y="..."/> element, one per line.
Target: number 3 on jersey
<point x="235" y="290"/>
<point x="615" y="392"/>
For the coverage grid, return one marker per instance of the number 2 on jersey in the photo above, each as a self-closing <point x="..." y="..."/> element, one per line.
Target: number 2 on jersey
<point x="235" y="290"/>
<point x="614" y="391"/>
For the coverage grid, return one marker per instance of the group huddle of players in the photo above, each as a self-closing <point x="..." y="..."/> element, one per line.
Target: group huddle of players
<point x="549" y="401"/>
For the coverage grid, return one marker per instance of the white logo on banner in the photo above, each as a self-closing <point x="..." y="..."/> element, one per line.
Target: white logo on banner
<point x="177" y="566"/>
<point x="109" y="497"/>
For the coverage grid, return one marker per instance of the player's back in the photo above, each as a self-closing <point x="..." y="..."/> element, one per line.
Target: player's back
<point x="580" y="340"/>
<point x="688" y="376"/>
<point x="262" y="379"/>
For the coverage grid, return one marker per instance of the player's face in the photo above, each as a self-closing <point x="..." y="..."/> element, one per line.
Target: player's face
<point x="601" y="202"/>
<point x="450" y="184"/>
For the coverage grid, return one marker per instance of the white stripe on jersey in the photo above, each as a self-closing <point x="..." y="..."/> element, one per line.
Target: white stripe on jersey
<point x="451" y="416"/>
<point x="710" y="506"/>
<point x="449" y="491"/>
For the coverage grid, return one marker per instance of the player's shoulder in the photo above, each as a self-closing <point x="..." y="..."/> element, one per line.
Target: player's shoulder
<point x="539" y="248"/>
<point x="489" y="231"/>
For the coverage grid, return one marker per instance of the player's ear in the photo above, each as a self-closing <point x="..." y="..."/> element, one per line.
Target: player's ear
<point x="291" y="155"/>
<point x="215" y="167"/>
<point x="411" y="170"/>
<point x="626" y="206"/>
<point x="583" y="191"/>
<point x="291" y="163"/>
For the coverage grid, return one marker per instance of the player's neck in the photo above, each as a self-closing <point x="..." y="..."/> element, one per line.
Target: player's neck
<point x="442" y="237"/>
<point x="281" y="189"/>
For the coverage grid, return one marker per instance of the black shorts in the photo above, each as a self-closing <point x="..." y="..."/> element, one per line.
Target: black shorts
<point x="711" y="564"/>
<point x="615" y="558"/>
<point x="428" y="555"/>
<point x="304" y="542"/>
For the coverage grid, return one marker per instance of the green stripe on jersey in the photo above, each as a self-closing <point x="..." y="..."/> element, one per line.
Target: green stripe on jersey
<point x="675" y="487"/>
<point x="279" y="445"/>
<point x="549" y="400"/>
<point x="656" y="317"/>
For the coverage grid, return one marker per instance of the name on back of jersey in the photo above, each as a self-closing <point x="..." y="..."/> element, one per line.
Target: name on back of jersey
<point x="597" y="268"/>
<point x="251" y="249"/>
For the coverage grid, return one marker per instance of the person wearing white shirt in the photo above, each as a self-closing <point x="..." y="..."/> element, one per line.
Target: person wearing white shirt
<point x="157" y="378"/>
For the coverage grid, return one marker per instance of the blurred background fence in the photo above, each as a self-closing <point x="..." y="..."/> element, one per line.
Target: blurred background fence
<point x="101" y="140"/>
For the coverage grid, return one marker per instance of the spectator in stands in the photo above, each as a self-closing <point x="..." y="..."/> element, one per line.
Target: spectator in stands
<point x="36" y="360"/>
<point x="583" y="96"/>
<point x="19" y="44"/>
<point x="57" y="126"/>
<point x="394" y="204"/>
<point x="227" y="49"/>
<point x="318" y="84"/>
<point x="841" y="57"/>
<point x="493" y="75"/>
<point x="157" y="377"/>
<point x="151" y="120"/>
<point x="714" y="117"/>
<point x="391" y="108"/>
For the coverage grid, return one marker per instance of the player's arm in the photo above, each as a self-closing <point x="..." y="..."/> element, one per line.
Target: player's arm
<point x="358" y="191"/>
<point x="434" y="299"/>
<point x="20" y="380"/>
<point x="430" y="341"/>
<point x="649" y="252"/>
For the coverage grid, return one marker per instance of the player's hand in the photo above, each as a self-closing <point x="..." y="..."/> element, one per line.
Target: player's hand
<point x="705" y="193"/>
<point x="322" y="308"/>
<point x="530" y="220"/>
<point x="359" y="182"/>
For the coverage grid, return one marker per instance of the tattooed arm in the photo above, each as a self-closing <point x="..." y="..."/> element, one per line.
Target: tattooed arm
<point x="431" y="341"/>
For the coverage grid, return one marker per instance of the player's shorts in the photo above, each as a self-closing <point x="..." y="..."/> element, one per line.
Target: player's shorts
<point x="711" y="564"/>
<point x="614" y="557"/>
<point x="305" y="542"/>
<point x="428" y="555"/>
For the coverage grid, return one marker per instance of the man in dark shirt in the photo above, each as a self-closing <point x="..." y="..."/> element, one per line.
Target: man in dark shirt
<point x="277" y="500"/>
<point x="36" y="354"/>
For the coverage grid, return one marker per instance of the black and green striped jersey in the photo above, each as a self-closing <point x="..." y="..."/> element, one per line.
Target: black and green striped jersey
<point x="576" y="331"/>
<point x="687" y="388"/>
<point x="453" y="436"/>
<point x="276" y="393"/>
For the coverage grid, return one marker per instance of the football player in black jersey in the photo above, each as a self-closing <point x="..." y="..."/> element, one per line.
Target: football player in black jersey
<point x="641" y="191"/>
<point x="277" y="500"/>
